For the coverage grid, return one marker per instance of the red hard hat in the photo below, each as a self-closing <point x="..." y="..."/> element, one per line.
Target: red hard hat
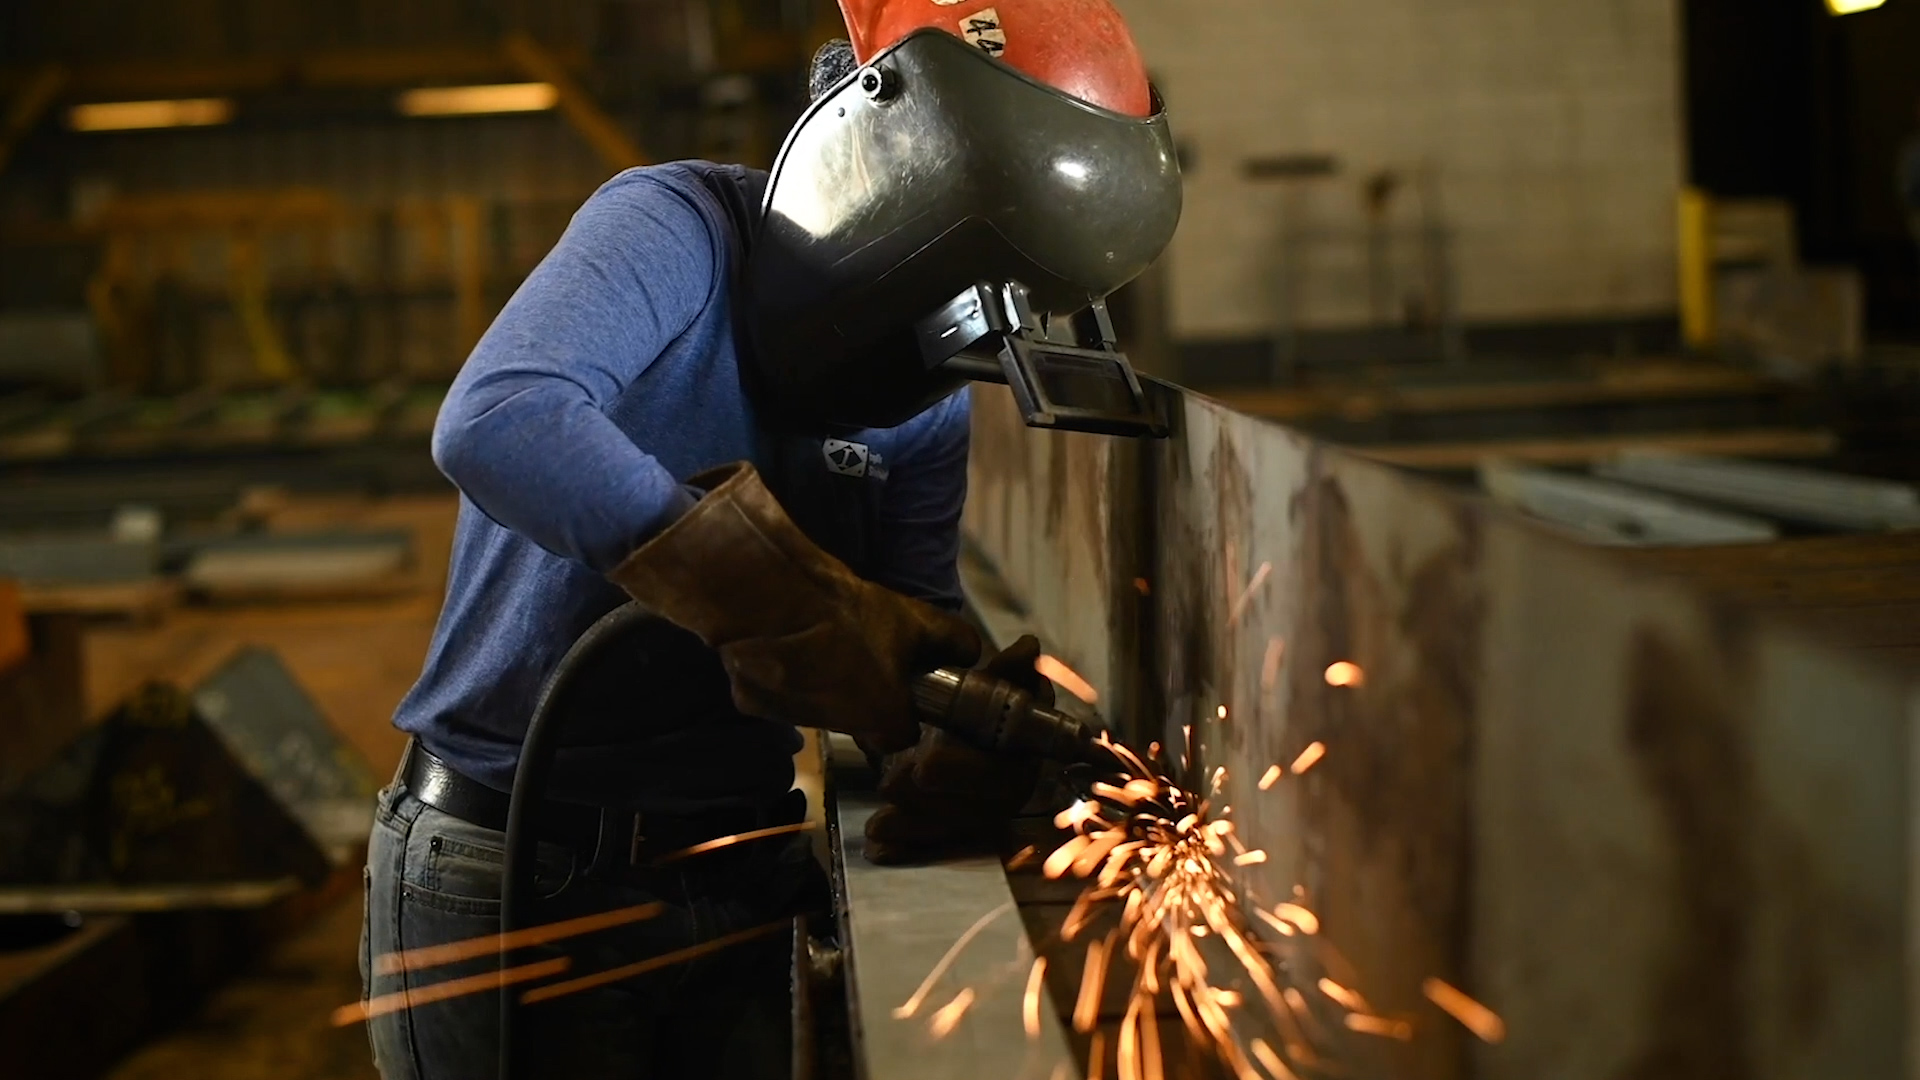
<point x="1080" y="47"/>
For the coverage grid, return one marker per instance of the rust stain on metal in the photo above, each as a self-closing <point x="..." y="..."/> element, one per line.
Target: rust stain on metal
<point x="1394" y="790"/>
<point x="1690" y="750"/>
<point x="1184" y="609"/>
<point x="1076" y="495"/>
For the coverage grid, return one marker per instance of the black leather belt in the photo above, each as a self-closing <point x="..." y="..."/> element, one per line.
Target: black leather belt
<point x="604" y="835"/>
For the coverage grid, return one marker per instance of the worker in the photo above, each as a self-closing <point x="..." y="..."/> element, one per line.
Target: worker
<point x="704" y="406"/>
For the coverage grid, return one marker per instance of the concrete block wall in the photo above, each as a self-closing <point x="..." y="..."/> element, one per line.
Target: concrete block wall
<point x="1547" y="134"/>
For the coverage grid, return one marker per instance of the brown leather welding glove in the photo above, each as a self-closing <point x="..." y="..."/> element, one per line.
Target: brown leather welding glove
<point x="944" y="798"/>
<point x="804" y="639"/>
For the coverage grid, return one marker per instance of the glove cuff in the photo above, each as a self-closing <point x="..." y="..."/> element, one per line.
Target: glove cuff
<point x="730" y="565"/>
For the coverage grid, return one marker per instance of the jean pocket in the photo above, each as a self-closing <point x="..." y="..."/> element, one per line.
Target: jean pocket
<point x="455" y="867"/>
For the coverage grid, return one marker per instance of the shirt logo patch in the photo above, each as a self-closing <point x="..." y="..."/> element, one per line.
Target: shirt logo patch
<point x="983" y="31"/>
<point x="845" y="458"/>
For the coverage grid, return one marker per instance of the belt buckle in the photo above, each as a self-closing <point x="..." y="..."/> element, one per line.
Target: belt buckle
<point x="638" y="841"/>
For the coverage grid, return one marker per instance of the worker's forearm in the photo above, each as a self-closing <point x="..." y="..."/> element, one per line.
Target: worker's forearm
<point x="552" y="467"/>
<point x="524" y="432"/>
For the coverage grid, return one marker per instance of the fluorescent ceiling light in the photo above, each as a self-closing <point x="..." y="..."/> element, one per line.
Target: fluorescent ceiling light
<point x="132" y="115"/>
<point x="1848" y="7"/>
<point x="470" y="100"/>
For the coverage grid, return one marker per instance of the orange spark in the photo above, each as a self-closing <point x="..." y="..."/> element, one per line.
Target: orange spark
<point x="1306" y="920"/>
<point x="1270" y="777"/>
<point x="1163" y="858"/>
<point x="1117" y="862"/>
<point x="1149" y="969"/>
<point x="1285" y="928"/>
<point x="452" y="953"/>
<point x="1344" y="673"/>
<point x="602" y="978"/>
<point x="1140" y="585"/>
<point x="736" y="838"/>
<point x="1093" y="976"/>
<point x="1475" y="1017"/>
<point x="1063" y="856"/>
<point x="919" y="997"/>
<point x="1271" y="1060"/>
<point x="1314" y="752"/>
<point x="947" y="1017"/>
<point x="1097" y="851"/>
<point x="1066" y="678"/>
<point x="1270" y="664"/>
<point x="1220" y="713"/>
<point x="1079" y="915"/>
<point x="1126" y="1057"/>
<point x="443" y="991"/>
<point x="1021" y="858"/>
<point x="1376" y="1025"/>
<point x="1246" y="595"/>
<point x="1150" y="1046"/>
<point x="1348" y="999"/>
<point x="1166" y="853"/>
<point x="1125" y="753"/>
<point x="1030" y="1003"/>
<point x="1187" y="1016"/>
<point x="1080" y="811"/>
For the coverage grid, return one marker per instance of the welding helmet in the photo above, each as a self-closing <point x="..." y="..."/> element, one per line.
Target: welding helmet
<point x="958" y="207"/>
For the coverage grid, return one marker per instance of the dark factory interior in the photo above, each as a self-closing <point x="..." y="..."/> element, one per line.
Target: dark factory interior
<point x="885" y="539"/>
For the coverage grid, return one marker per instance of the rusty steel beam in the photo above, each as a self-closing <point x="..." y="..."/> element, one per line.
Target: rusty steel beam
<point x="615" y="146"/>
<point x="1660" y="834"/>
<point x="335" y="69"/>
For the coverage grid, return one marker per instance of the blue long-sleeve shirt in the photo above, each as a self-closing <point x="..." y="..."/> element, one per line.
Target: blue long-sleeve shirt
<point x="608" y="380"/>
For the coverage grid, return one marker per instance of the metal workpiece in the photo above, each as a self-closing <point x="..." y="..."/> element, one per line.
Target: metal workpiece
<point x="1655" y="832"/>
<point x="899" y="923"/>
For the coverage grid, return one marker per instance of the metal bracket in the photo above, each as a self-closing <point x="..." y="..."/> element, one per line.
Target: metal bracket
<point x="1065" y="373"/>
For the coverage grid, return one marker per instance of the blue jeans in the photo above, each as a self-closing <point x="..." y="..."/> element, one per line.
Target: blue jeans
<point x="432" y="879"/>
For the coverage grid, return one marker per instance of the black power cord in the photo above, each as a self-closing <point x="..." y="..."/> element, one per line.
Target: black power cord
<point x="530" y="784"/>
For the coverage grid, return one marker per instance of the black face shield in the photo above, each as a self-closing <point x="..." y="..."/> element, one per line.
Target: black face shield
<point x="940" y="216"/>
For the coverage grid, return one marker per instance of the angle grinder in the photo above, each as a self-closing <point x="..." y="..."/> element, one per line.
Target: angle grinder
<point x="994" y="715"/>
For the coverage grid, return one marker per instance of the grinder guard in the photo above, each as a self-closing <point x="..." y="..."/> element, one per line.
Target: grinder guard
<point x="938" y="180"/>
